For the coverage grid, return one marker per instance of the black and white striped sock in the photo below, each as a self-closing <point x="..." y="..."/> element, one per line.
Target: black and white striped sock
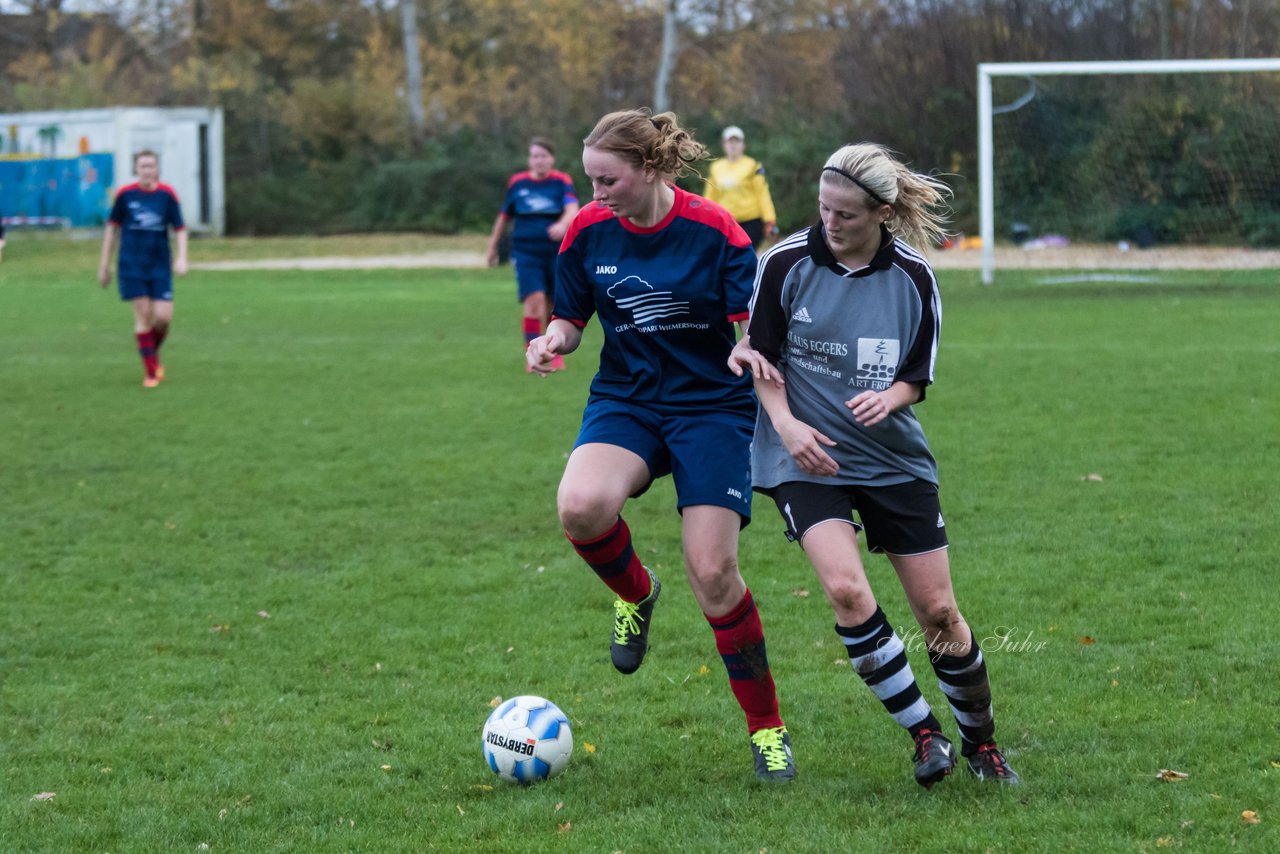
<point x="879" y="657"/>
<point x="963" y="678"/>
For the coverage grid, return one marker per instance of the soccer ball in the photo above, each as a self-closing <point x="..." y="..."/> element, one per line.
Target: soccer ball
<point x="527" y="739"/>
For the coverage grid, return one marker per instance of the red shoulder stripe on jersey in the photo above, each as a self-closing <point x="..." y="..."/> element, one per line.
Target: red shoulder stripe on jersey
<point x="165" y="188"/>
<point x="126" y="188"/>
<point x="588" y="216"/>
<point x="519" y="176"/>
<point x="709" y="213"/>
<point x="560" y="176"/>
<point x="581" y="324"/>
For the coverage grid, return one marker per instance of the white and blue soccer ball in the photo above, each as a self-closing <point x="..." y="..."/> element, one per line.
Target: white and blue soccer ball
<point x="527" y="739"/>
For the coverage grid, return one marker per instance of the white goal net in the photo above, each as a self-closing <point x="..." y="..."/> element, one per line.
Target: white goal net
<point x="1142" y="164"/>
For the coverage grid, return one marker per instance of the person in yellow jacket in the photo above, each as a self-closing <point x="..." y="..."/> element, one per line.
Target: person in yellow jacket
<point x="737" y="182"/>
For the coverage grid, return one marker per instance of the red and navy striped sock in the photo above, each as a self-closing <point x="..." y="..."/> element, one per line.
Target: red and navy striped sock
<point x="147" y="350"/>
<point x="740" y="642"/>
<point x="614" y="560"/>
<point x="158" y="333"/>
<point x="532" y="329"/>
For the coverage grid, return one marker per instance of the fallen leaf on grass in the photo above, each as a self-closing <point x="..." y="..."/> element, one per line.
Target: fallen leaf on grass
<point x="511" y="649"/>
<point x="841" y="662"/>
<point x="484" y="787"/>
<point x="1086" y="640"/>
<point x="564" y="827"/>
<point x="219" y="627"/>
<point x="1275" y="764"/>
<point x="495" y="702"/>
<point x="1164" y="841"/>
<point x="385" y="767"/>
<point x="171" y="525"/>
<point x="589" y="747"/>
<point x="703" y="670"/>
<point x="1095" y="478"/>
<point x="800" y="592"/>
<point x="1167" y="775"/>
<point x="44" y="796"/>
<point x="1250" y="817"/>
<point x="559" y="806"/>
<point x="264" y="615"/>
<point x="461" y="811"/>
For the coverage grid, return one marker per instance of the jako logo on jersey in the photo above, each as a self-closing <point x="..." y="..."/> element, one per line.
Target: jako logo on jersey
<point x="802" y="315"/>
<point x="735" y="493"/>
<point x="645" y="304"/>
<point x="602" y="270"/>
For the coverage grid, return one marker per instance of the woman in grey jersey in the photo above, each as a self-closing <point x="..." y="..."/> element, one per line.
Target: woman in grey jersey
<point x="848" y="313"/>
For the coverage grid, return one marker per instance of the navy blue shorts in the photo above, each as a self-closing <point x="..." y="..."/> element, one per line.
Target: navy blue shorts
<point x="534" y="274"/>
<point x="706" y="451"/>
<point x="903" y="519"/>
<point x="156" y="287"/>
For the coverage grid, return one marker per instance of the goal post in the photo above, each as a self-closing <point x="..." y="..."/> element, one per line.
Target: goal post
<point x="1034" y="70"/>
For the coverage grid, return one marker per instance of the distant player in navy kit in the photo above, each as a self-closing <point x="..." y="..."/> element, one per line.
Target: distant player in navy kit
<point x="142" y="214"/>
<point x="668" y="273"/>
<point x="849" y="313"/>
<point x="542" y="203"/>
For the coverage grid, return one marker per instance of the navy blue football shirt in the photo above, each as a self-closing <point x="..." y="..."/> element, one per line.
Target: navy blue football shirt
<point x="536" y="205"/>
<point x="144" y="217"/>
<point x="667" y="297"/>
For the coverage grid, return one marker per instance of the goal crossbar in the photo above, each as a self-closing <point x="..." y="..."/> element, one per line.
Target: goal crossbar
<point x="986" y="151"/>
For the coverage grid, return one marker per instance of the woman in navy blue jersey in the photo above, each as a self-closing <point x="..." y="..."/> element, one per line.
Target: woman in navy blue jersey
<point x="669" y="274"/>
<point x="542" y="203"/>
<point x="143" y="214"/>
<point x="849" y="313"/>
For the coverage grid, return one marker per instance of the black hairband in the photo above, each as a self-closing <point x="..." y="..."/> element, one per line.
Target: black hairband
<point x="870" y="192"/>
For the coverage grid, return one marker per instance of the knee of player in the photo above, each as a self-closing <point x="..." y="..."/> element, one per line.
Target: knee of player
<point x="848" y="597"/>
<point x="941" y="615"/>
<point x="582" y="514"/>
<point x="716" y="574"/>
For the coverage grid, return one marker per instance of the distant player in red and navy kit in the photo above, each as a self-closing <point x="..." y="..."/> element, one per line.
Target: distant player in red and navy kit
<point x="142" y="214"/>
<point x="542" y="203"/>
<point x="669" y="274"/>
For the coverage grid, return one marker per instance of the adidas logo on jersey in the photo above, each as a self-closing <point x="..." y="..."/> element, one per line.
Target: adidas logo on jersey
<point x="802" y="315"/>
<point x="941" y="524"/>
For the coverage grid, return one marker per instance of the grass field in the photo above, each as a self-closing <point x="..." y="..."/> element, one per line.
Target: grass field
<point x="266" y="606"/>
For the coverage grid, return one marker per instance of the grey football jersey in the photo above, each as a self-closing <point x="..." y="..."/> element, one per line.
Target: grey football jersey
<point x="836" y="332"/>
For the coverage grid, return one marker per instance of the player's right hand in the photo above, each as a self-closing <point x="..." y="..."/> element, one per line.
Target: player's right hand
<point x="804" y="443"/>
<point x="744" y="356"/>
<point x="104" y="276"/>
<point x="541" y="351"/>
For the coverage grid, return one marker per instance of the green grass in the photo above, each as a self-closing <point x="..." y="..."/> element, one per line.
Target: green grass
<point x="360" y="456"/>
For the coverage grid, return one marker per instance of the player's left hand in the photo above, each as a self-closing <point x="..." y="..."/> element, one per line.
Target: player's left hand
<point x="180" y="266"/>
<point x="556" y="231"/>
<point x="869" y="408"/>
<point x="745" y="356"/>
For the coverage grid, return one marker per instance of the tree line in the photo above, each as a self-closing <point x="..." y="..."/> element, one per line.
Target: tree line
<point x="328" y="127"/>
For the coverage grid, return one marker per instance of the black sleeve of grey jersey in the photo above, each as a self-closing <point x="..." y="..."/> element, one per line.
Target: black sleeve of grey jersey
<point x="768" y="326"/>
<point x="918" y="366"/>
